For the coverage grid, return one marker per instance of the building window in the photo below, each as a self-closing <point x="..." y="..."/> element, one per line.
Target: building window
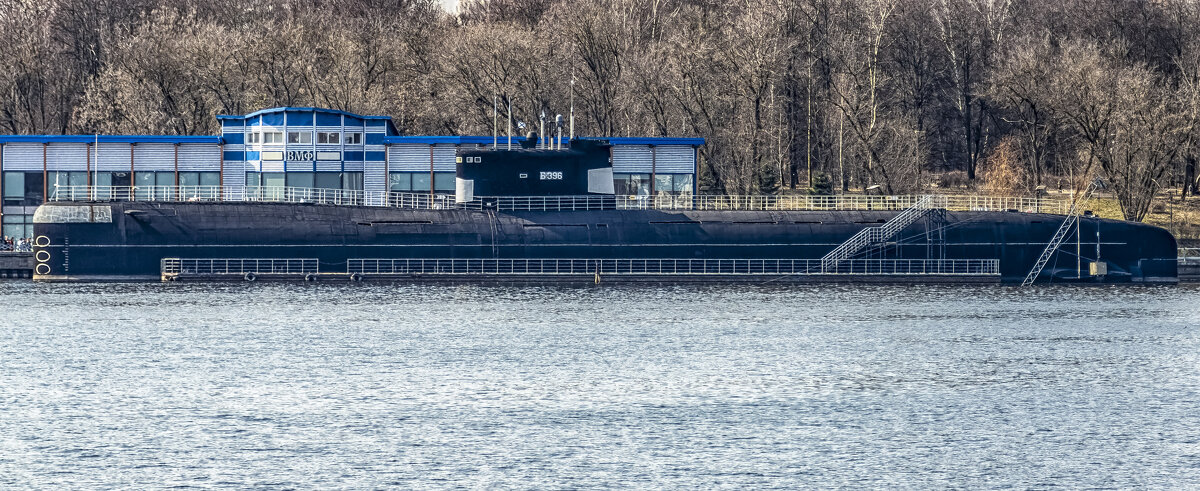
<point x="329" y="138"/>
<point x="18" y="226"/>
<point x="631" y="184"/>
<point x="352" y="181"/>
<point x="443" y="181"/>
<point x="400" y="181"/>
<point x="299" y="179"/>
<point x="299" y="137"/>
<point x="155" y="185"/>
<point x="353" y="138"/>
<point x="328" y="180"/>
<point x="418" y="182"/>
<point x="252" y="138"/>
<point x="272" y="137"/>
<point x="23" y="188"/>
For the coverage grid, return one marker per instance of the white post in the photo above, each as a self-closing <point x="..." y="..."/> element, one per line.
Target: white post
<point x="96" y="165"/>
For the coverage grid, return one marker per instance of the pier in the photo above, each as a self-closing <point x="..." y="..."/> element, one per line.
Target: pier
<point x="16" y="264"/>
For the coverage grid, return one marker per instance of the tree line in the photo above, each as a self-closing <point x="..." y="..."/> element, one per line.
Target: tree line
<point x="810" y="95"/>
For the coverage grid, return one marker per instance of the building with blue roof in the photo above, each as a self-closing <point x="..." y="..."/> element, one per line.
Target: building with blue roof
<point x="304" y="147"/>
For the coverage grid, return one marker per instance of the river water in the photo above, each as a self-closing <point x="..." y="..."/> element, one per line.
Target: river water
<point x="368" y="386"/>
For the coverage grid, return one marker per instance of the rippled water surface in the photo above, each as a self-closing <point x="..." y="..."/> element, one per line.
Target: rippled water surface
<point x="366" y="386"/>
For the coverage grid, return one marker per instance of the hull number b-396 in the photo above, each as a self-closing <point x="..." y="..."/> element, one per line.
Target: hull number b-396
<point x="550" y="176"/>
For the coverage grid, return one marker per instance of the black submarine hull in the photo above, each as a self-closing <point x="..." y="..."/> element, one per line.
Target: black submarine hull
<point x="128" y="240"/>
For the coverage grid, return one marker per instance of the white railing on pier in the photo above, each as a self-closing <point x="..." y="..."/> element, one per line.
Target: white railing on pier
<point x="426" y="201"/>
<point x="237" y="266"/>
<point x="550" y="267"/>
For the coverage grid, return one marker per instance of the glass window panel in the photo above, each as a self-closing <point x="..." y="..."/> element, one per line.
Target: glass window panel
<point x="77" y="178"/>
<point x="273" y="179"/>
<point x="15" y="230"/>
<point x="189" y="178"/>
<point x="353" y="138"/>
<point x="299" y="137"/>
<point x="352" y="181"/>
<point x="33" y="188"/>
<point x="621" y="184"/>
<point x="14" y="185"/>
<point x="104" y="178"/>
<point x="443" y="181"/>
<point x="400" y="181"/>
<point x="299" y="179"/>
<point x="210" y="178"/>
<point x="663" y="184"/>
<point x="145" y="178"/>
<point x="164" y="185"/>
<point x="420" y="182"/>
<point x="639" y="184"/>
<point x="144" y="181"/>
<point x="253" y="179"/>
<point x="683" y="183"/>
<point x="328" y="180"/>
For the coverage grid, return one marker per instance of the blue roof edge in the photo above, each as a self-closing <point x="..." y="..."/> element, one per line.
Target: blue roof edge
<point x="289" y="108"/>
<point x="109" y="139"/>
<point x="487" y="140"/>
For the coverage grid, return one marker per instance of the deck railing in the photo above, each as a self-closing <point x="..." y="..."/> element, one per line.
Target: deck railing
<point x="965" y="267"/>
<point x="237" y="266"/>
<point x="426" y="201"/>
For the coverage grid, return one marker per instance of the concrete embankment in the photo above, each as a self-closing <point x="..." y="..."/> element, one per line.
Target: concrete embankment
<point x="16" y="264"/>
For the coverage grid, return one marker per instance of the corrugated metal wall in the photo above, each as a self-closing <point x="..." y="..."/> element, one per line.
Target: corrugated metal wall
<point x="235" y="174"/>
<point x="67" y="156"/>
<point x="153" y="157"/>
<point x="443" y="158"/>
<point x="23" y="156"/>
<point x="374" y="178"/>
<point x="675" y="159"/>
<point x="633" y="159"/>
<point x="328" y="166"/>
<point x="112" y="157"/>
<point x="195" y="157"/>
<point x="408" y="158"/>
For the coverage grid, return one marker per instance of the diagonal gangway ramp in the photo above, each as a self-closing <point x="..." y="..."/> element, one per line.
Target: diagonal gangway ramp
<point x="873" y="236"/>
<point x="1060" y="235"/>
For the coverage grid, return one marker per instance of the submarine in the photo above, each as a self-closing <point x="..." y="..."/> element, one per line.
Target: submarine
<point x="546" y="214"/>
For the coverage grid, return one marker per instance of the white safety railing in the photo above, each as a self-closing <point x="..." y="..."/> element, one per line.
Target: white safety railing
<point x="237" y="266"/>
<point x="553" y="203"/>
<point x="550" y="267"/>
<point x="875" y="235"/>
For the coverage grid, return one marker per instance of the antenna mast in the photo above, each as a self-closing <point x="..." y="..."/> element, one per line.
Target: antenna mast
<point x="571" y="135"/>
<point x="495" y="121"/>
<point x="542" y="130"/>
<point x="509" y="102"/>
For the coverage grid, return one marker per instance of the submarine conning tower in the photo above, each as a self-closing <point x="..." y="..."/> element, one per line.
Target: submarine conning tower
<point x="585" y="168"/>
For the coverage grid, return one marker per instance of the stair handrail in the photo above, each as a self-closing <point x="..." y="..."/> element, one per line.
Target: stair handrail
<point x="1060" y="235"/>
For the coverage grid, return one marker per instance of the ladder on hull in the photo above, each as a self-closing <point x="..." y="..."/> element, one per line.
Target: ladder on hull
<point x="1060" y="235"/>
<point x="875" y="235"/>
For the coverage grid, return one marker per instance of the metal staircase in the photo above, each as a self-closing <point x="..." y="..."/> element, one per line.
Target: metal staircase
<point x="1060" y="235"/>
<point x="875" y="235"/>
